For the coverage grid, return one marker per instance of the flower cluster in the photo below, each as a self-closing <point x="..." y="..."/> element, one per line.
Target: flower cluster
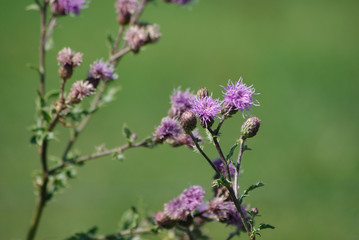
<point x="179" y="209"/>
<point x="207" y="109"/>
<point x="138" y="35"/>
<point x="64" y="7"/>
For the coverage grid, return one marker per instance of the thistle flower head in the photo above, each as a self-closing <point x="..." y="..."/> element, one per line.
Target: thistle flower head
<point x="68" y="57"/>
<point x="168" y="129"/>
<point x="101" y="70"/>
<point x="64" y="7"/>
<point x="136" y="37"/>
<point x="181" y="101"/>
<point x="180" y="207"/>
<point x="222" y="168"/>
<point x="79" y="90"/>
<point x="206" y="108"/>
<point x="239" y="96"/>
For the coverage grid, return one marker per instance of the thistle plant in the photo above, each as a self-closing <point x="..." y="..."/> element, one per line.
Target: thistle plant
<point x="185" y="215"/>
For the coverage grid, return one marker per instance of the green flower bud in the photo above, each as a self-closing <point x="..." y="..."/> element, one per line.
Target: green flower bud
<point x="250" y="127"/>
<point x="188" y="121"/>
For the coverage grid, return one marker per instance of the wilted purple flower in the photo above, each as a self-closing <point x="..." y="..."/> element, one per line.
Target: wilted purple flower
<point x="238" y="96"/>
<point x="63" y="7"/>
<point x="126" y="6"/>
<point x="168" y="129"/>
<point x="136" y="36"/>
<point x="79" y="90"/>
<point x="185" y="139"/>
<point x="180" y="207"/>
<point x="68" y="57"/>
<point x="222" y="168"/>
<point x="181" y="2"/>
<point x="226" y="211"/>
<point x="181" y="101"/>
<point x="206" y="109"/>
<point x="192" y="197"/>
<point x="101" y="70"/>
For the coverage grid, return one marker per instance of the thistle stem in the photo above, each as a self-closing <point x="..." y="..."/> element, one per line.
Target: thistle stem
<point x="238" y="165"/>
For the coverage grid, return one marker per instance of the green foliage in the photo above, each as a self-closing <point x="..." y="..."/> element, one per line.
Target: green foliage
<point x="89" y="235"/>
<point x="60" y="180"/>
<point x="221" y="181"/>
<point x="130" y="219"/>
<point x="77" y="113"/>
<point x="256" y="230"/>
<point x="231" y="151"/>
<point x="109" y="96"/>
<point x="251" y="188"/>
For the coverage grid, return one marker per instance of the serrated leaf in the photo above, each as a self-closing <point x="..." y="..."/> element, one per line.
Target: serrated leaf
<point x="265" y="226"/>
<point x="33" y="6"/>
<point x="230" y="154"/>
<point x="251" y="188"/>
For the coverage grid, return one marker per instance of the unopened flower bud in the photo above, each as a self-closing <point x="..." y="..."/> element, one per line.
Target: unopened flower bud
<point x="65" y="71"/>
<point x="164" y="221"/>
<point x="250" y="127"/>
<point x="228" y="110"/>
<point x="254" y="211"/>
<point x="202" y="92"/>
<point x="188" y="121"/>
<point x="123" y="18"/>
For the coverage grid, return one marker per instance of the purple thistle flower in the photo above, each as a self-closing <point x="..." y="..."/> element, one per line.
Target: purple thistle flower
<point x="180" y="207"/>
<point x="181" y="101"/>
<point x="222" y="168"/>
<point x="68" y="57"/>
<point x="206" y="109"/>
<point x="192" y="197"/>
<point x="64" y="7"/>
<point x="136" y="37"/>
<point x="79" y="90"/>
<point x="101" y="70"/>
<point x="126" y="6"/>
<point x="168" y="129"/>
<point x="239" y="96"/>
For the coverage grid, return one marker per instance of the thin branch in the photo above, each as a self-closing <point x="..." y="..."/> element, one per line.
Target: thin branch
<point x="216" y="131"/>
<point x="98" y="155"/>
<point x="119" y="37"/>
<point x="204" y="154"/>
<point x="114" y="58"/>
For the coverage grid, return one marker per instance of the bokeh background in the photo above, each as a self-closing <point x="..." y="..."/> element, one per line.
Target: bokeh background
<point x="302" y="56"/>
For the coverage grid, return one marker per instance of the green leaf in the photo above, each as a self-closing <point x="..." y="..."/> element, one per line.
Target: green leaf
<point x="119" y="156"/>
<point x="130" y="219"/>
<point x="251" y="188"/>
<point x="33" y="6"/>
<point x="46" y="116"/>
<point x="265" y="226"/>
<point x="126" y="132"/>
<point x="89" y="235"/>
<point x="230" y="154"/>
<point x="109" y="96"/>
<point x="52" y="94"/>
<point x="221" y="181"/>
<point x="33" y="67"/>
<point x="209" y="135"/>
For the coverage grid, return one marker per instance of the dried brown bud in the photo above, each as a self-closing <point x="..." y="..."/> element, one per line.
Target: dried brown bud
<point x="65" y="71"/>
<point x="123" y="19"/>
<point x="202" y="92"/>
<point x="188" y="121"/>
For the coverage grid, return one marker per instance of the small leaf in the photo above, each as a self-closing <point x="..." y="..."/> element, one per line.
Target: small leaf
<point x="265" y="226"/>
<point x="109" y="96"/>
<point x="110" y="40"/>
<point x="130" y="219"/>
<point x="33" y="6"/>
<point x="209" y="135"/>
<point x="52" y="94"/>
<point x="126" y="132"/>
<point x="46" y="116"/>
<point x="33" y="67"/>
<point x="251" y="188"/>
<point x="230" y="154"/>
<point x="118" y="156"/>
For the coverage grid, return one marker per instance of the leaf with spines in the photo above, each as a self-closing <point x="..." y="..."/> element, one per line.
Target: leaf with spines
<point x="231" y="151"/>
<point x="251" y="188"/>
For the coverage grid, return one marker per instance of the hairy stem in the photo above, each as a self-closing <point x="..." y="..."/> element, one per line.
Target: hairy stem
<point x="204" y="154"/>
<point x="42" y="47"/>
<point x="238" y="165"/>
<point x="220" y="152"/>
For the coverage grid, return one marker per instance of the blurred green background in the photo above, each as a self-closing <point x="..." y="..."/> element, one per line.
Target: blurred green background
<point x="302" y="56"/>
